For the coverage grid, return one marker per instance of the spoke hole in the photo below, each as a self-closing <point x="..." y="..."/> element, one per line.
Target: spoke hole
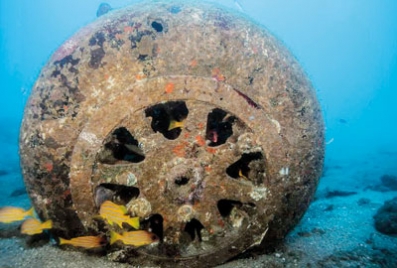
<point x="119" y="194"/>
<point x="181" y="181"/>
<point x="121" y="146"/>
<point x="193" y="228"/>
<point x="167" y="118"/>
<point x="242" y="167"/>
<point x="154" y="224"/>
<point x="219" y="127"/>
<point x="157" y="26"/>
<point x="225" y="206"/>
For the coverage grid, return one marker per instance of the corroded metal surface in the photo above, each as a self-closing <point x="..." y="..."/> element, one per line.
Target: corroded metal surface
<point x="240" y="170"/>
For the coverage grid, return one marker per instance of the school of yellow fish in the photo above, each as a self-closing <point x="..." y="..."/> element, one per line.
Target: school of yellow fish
<point x="109" y="212"/>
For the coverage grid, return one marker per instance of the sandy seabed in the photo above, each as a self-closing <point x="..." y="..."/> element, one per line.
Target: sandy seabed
<point x="336" y="231"/>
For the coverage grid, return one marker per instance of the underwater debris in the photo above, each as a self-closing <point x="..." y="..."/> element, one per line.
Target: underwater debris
<point x="386" y="218"/>
<point x="359" y="257"/>
<point x="389" y="181"/>
<point x="337" y="193"/>
<point x="314" y="231"/>
<point x="124" y="141"/>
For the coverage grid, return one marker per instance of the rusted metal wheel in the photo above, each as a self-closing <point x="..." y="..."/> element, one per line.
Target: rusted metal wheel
<point x="195" y="118"/>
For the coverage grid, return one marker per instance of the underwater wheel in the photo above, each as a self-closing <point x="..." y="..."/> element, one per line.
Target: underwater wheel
<point x="195" y="118"/>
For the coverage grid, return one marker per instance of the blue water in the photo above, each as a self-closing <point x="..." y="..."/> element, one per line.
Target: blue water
<point x="347" y="48"/>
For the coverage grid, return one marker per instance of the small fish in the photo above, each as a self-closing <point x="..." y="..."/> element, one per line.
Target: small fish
<point x="12" y="214"/>
<point x="114" y="213"/>
<point x="87" y="242"/>
<point x="33" y="226"/>
<point x="103" y="9"/>
<point x="175" y="124"/>
<point x="134" y="238"/>
<point x="241" y="175"/>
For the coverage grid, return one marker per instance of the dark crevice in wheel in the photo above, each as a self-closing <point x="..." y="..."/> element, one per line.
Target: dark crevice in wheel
<point x="225" y="206"/>
<point x="167" y="118"/>
<point x="121" y="146"/>
<point x="120" y="194"/>
<point x="193" y="228"/>
<point x="241" y="168"/>
<point x="157" y="26"/>
<point x="181" y="181"/>
<point x="219" y="127"/>
<point x="154" y="224"/>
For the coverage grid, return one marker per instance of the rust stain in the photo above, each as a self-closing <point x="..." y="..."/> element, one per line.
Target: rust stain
<point x="140" y="76"/>
<point x="208" y="169"/>
<point x="193" y="63"/>
<point x="211" y="150"/>
<point x="216" y="73"/>
<point x="169" y="88"/>
<point x="180" y="150"/>
<point x="200" y="140"/>
<point x="161" y="185"/>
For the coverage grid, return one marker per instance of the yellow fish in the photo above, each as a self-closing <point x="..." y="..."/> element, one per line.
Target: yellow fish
<point x="175" y="124"/>
<point x="114" y="213"/>
<point x="87" y="242"/>
<point x="241" y="175"/>
<point x="11" y="214"/>
<point x="33" y="226"/>
<point x="134" y="238"/>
